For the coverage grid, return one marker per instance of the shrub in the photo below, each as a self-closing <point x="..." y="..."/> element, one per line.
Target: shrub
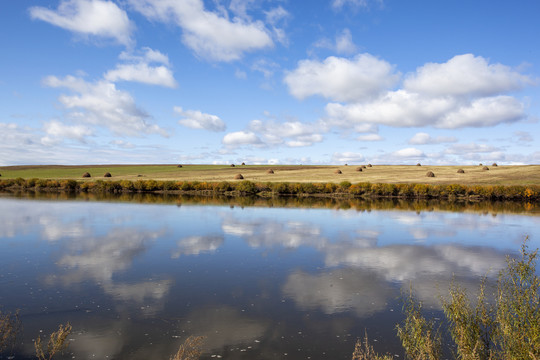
<point x="70" y="185"/>
<point x="345" y="185"/>
<point x="246" y="187"/>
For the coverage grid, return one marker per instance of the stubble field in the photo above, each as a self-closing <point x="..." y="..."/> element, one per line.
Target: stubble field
<point x="473" y="175"/>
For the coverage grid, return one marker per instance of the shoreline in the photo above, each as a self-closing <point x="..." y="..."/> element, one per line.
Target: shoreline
<point x="343" y="190"/>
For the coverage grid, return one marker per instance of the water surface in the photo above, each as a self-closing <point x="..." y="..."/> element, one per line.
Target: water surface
<point x="135" y="279"/>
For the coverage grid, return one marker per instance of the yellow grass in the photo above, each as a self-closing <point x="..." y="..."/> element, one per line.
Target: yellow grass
<point x="474" y="175"/>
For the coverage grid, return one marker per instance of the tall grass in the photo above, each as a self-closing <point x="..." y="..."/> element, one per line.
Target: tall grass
<point x="506" y="329"/>
<point x="56" y="344"/>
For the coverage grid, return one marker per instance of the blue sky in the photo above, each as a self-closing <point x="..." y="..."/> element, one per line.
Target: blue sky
<point x="269" y="82"/>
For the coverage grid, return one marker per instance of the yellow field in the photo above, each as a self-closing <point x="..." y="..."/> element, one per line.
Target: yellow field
<point x="496" y="175"/>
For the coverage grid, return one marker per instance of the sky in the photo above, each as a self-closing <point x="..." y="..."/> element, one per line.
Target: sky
<point x="448" y="82"/>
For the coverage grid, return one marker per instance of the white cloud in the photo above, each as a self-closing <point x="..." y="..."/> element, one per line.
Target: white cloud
<point x="266" y="67"/>
<point x="424" y="139"/>
<point x="341" y="79"/>
<point x="290" y="133"/>
<point x="240" y="138"/>
<point x="209" y="34"/>
<point x="370" y="137"/>
<point x="140" y="70"/>
<point x="198" y="120"/>
<point x="470" y="148"/>
<point x="89" y="17"/>
<point x="409" y="153"/>
<point x="484" y="112"/>
<point x="465" y="75"/>
<point x="348" y="157"/>
<point x="339" y="4"/>
<point x="405" y="109"/>
<point x="343" y="43"/>
<point x="57" y="131"/>
<point x="100" y="103"/>
<point x="524" y="136"/>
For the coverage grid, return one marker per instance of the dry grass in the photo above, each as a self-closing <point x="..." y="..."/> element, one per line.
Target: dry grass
<point x="56" y="344"/>
<point x="474" y="175"/>
<point x="10" y="325"/>
<point x="190" y="349"/>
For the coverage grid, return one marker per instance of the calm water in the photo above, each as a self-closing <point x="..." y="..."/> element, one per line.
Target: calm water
<point x="135" y="279"/>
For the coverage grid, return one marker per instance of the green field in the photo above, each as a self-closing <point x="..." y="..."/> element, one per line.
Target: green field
<point x="474" y="175"/>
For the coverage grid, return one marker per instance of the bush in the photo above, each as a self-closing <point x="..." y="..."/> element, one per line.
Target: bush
<point x="246" y="187"/>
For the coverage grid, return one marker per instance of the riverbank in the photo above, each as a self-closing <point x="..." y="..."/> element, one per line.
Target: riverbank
<point x="344" y="189"/>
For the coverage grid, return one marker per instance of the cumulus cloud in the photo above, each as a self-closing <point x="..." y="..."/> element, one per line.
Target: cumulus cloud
<point x="210" y="35"/>
<point x="358" y="79"/>
<point x="140" y="69"/>
<point x="465" y="91"/>
<point x="465" y="75"/>
<point x="290" y="133"/>
<point x="239" y="138"/>
<point x="101" y="103"/>
<point x="198" y="120"/>
<point x="405" y="109"/>
<point x="57" y="131"/>
<point x="424" y="139"/>
<point x="88" y="17"/>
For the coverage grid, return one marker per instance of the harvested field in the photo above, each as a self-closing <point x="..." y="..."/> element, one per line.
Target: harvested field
<point x="500" y="175"/>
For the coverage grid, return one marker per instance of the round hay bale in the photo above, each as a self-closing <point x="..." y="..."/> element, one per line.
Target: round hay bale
<point x="179" y="166"/>
<point x="369" y="165"/>
<point x="480" y="164"/>
<point x="461" y="171"/>
<point x="363" y="166"/>
<point x="86" y="174"/>
<point x="269" y="171"/>
<point x="337" y="171"/>
<point x="346" y="164"/>
<point x="243" y="163"/>
<point x="418" y="164"/>
<point x="485" y="168"/>
<point x="107" y="174"/>
<point x="359" y="168"/>
<point x="140" y="175"/>
<point x="494" y="164"/>
<point x="238" y="177"/>
<point x="232" y="165"/>
<point x="430" y="174"/>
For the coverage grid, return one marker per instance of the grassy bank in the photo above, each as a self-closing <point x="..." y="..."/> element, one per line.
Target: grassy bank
<point x="345" y="189"/>
<point x="386" y="174"/>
